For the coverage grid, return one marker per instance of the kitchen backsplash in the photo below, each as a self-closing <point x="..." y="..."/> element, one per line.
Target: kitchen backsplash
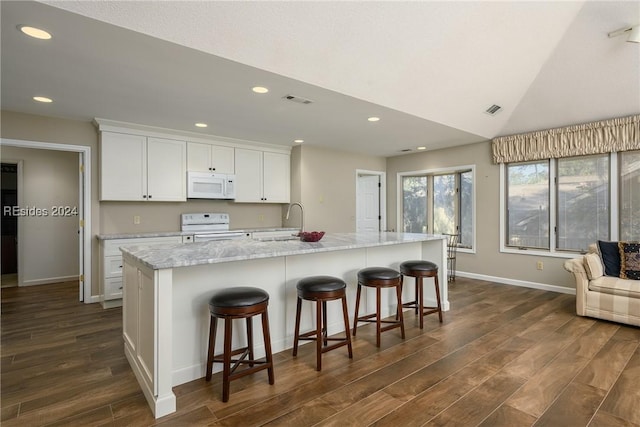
<point x="118" y="217"/>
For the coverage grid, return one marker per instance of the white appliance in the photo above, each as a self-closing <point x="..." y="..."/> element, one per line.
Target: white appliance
<point x="209" y="226"/>
<point x="205" y="185"/>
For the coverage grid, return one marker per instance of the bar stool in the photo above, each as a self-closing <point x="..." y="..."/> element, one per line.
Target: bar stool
<point x="420" y="269"/>
<point x="322" y="289"/>
<point x="238" y="303"/>
<point x="378" y="278"/>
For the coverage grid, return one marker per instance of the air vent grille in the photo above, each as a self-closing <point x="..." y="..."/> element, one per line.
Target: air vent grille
<point x="298" y="99"/>
<point x="493" y="110"/>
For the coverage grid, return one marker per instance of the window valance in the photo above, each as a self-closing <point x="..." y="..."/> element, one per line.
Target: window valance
<point x="620" y="134"/>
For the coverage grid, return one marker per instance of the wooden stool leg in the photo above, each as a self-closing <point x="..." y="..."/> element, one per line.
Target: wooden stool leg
<point x="420" y="290"/>
<point x="226" y="369"/>
<point x="296" y="335"/>
<point x="324" y="323"/>
<point x="347" y="331"/>
<point x="399" y="295"/>
<point x="378" y="316"/>
<point x="355" y="319"/>
<point x="438" y="297"/>
<point x="319" y="338"/>
<point x="250" y="339"/>
<point x="212" y="343"/>
<point x="418" y="301"/>
<point x="267" y="345"/>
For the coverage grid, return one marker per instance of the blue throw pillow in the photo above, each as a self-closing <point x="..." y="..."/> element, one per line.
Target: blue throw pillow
<point x="610" y="253"/>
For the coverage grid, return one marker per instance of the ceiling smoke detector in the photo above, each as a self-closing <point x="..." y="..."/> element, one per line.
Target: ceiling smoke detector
<point x="493" y="110"/>
<point x="298" y="99"/>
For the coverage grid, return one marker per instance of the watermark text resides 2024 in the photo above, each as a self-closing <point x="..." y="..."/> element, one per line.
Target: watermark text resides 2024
<point x="34" y="211"/>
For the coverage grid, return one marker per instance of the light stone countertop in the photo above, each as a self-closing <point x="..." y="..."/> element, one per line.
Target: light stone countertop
<point x="188" y="254"/>
<point x="114" y="236"/>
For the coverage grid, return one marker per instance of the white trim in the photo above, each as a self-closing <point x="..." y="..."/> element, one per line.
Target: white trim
<point x="85" y="154"/>
<point x="383" y="195"/>
<point x="521" y="283"/>
<point x="49" y="280"/>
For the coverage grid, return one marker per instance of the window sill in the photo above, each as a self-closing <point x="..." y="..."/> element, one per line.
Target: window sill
<point x="540" y="253"/>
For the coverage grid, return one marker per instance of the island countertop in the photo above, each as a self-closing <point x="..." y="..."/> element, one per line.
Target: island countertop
<point x="190" y="254"/>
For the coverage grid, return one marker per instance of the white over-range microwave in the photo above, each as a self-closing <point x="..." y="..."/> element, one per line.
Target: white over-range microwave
<point x="206" y="185"/>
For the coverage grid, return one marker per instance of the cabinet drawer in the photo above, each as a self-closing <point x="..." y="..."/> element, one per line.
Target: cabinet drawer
<point x="112" y="288"/>
<point x="112" y="266"/>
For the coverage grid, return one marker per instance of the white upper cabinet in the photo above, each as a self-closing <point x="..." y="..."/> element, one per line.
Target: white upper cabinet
<point x="262" y="176"/>
<point x="134" y="167"/>
<point x="123" y="166"/>
<point x="210" y="158"/>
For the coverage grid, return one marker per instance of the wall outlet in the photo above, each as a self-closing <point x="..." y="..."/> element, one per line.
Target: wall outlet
<point x="136" y="219"/>
<point x="539" y="265"/>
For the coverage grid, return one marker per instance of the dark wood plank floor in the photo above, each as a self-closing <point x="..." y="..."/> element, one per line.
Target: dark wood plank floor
<point x="505" y="356"/>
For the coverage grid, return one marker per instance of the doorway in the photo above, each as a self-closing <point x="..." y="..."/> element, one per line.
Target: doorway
<point x="9" y="201"/>
<point x="83" y="211"/>
<point x="370" y="201"/>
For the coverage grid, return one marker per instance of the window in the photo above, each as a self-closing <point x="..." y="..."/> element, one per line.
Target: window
<point x="630" y="195"/>
<point x="414" y="204"/>
<point x="566" y="204"/>
<point x="528" y="205"/>
<point x="583" y="202"/>
<point x="439" y="202"/>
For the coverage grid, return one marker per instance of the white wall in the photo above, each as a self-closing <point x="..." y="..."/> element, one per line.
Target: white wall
<point x="47" y="244"/>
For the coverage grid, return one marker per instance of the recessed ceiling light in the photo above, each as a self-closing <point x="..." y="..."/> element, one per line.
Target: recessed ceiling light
<point x="201" y="125"/>
<point x="298" y="141"/>
<point x="421" y="148"/>
<point x="34" y="32"/>
<point x="260" y="89"/>
<point x="42" y="99"/>
<point x="373" y="119"/>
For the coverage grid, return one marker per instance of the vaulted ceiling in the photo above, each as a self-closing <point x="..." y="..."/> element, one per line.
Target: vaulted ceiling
<point x="429" y="70"/>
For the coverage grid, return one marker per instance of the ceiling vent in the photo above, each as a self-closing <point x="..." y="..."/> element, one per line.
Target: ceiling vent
<point x="298" y="99"/>
<point x="493" y="110"/>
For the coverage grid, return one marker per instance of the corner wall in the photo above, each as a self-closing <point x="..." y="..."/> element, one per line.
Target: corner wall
<point x="488" y="260"/>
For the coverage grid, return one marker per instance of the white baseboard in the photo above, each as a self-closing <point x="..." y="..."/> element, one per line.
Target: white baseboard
<point x="521" y="283"/>
<point x="48" y="280"/>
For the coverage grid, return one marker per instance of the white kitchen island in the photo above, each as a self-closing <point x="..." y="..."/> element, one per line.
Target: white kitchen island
<point x="167" y="290"/>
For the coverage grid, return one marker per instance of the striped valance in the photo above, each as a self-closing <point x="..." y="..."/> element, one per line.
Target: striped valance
<point x="620" y="134"/>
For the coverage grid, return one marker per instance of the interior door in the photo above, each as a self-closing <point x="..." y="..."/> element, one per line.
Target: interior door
<point x="81" y="215"/>
<point x="368" y="203"/>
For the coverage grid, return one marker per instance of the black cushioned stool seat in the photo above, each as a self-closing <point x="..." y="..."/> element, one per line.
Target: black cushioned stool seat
<point x="322" y="289"/>
<point x="378" y="278"/>
<point x="238" y="303"/>
<point x="420" y="269"/>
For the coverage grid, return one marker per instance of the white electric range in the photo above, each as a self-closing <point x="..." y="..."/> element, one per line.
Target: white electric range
<point x="209" y="226"/>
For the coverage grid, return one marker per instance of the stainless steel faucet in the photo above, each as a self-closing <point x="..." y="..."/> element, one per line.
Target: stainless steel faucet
<point x="301" y="213"/>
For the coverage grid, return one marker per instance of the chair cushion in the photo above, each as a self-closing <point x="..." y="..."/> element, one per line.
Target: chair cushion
<point x="610" y="254"/>
<point x="242" y="296"/>
<point x="629" y="260"/>
<point x="320" y="284"/>
<point x="418" y="265"/>
<point x="378" y="273"/>
<point x="616" y="286"/>
<point x="593" y="266"/>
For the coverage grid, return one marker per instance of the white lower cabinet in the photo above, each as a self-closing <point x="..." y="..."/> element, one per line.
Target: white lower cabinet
<point x="111" y="265"/>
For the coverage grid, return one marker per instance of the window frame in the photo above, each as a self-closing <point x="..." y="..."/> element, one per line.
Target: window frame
<point x="553" y="251"/>
<point x="430" y="173"/>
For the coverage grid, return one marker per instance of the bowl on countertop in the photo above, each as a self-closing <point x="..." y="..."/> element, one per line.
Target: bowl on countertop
<point x="311" y="236"/>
